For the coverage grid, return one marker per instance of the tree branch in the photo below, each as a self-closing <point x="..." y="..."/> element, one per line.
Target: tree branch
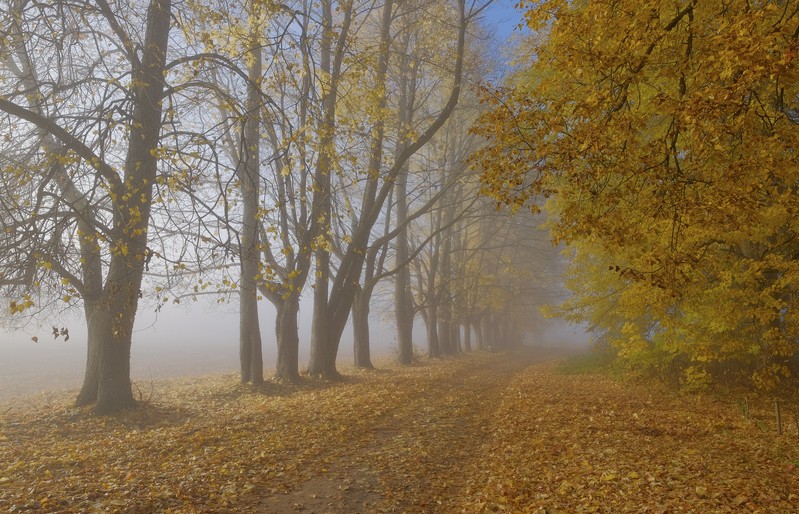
<point x="70" y="141"/>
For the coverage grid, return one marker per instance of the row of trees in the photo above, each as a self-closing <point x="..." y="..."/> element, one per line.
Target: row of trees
<point x="153" y="152"/>
<point x="665" y="138"/>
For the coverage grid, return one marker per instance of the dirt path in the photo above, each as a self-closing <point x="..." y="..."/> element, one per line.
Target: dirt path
<point x="504" y="434"/>
<point x="480" y="433"/>
<point x="409" y="455"/>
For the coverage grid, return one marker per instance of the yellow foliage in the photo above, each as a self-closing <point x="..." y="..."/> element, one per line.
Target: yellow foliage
<point x="19" y="307"/>
<point x="665" y="139"/>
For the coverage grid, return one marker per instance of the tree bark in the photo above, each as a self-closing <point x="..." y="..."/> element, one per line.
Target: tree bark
<point x="486" y="331"/>
<point x="433" y="345"/>
<point x="288" y="340"/>
<point x="114" y="391"/>
<point x="91" y="377"/>
<point x="445" y="332"/>
<point x="250" y="346"/>
<point x="403" y="312"/>
<point x="320" y="362"/>
<point x="455" y="336"/>
<point x="432" y="296"/>
<point x="323" y="355"/>
<point x="403" y="304"/>
<point x="113" y="318"/>
<point x="360" y="327"/>
<point x="444" y="297"/>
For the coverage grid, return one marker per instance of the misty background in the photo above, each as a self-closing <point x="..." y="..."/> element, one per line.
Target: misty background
<point x="202" y="337"/>
<point x="196" y="339"/>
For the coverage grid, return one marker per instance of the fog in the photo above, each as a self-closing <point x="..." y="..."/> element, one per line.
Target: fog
<point x="177" y="341"/>
<point x="195" y="340"/>
<point x="203" y="337"/>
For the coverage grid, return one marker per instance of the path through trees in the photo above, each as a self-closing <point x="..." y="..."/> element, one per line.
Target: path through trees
<point x="484" y="432"/>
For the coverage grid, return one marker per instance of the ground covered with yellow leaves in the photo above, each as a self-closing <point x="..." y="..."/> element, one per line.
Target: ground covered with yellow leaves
<point x="478" y="433"/>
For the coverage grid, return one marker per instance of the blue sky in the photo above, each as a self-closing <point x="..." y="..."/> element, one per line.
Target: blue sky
<point x="502" y="17"/>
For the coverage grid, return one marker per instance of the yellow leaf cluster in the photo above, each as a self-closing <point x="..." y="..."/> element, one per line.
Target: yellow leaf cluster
<point x="666" y="139"/>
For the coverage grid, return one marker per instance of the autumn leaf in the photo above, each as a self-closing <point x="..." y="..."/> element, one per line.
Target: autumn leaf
<point x="411" y="439"/>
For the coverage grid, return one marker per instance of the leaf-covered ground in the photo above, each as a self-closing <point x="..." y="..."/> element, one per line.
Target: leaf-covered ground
<point x="478" y="433"/>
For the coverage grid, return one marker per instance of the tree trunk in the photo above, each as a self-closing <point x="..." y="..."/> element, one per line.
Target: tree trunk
<point x="288" y="340"/>
<point x="330" y="61"/>
<point x="444" y="293"/>
<point x="445" y="333"/>
<point x="91" y="377"/>
<point x="455" y="336"/>
<point x="111" y="325"/>
<point x="114" y="390"/>
<point x="432" y="296"/>
<point x="360" y="328"/>
<point x="112" y="319"/>
<point x="496" y="331"/>
<point x="467" y="336"/>
<point x="250" y="349"/>
<point x="485" y="331"/>
<point x="403" y="307"/>
<point x="478" y="332"/>
<point x="433" y="346"/>
<point x="319" y="364"/>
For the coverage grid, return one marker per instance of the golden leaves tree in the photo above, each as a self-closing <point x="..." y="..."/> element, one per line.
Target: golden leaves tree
<point x="335" y="292"/>
<point x="82" y="128"/>
<point x="665" y="138"/>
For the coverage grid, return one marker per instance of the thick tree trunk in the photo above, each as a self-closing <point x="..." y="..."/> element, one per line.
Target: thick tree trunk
<point x="403" y="307"/>
<point x="112" y="325"/>
<point x="250" y="346"/>
<point x="478" y="332"/>
<point x="319" y="363"/>
<point x="288" y="340"/>
<point x="114" y="391"/>
<point x="360" y="328"/>
<point x="496" y="331"/>
<point x="486" y="336"/>
<point x="325" y="362"/>
<point x="113" y="317"/>
<point x="250" y="349"/>
<point x="431" y="297"/>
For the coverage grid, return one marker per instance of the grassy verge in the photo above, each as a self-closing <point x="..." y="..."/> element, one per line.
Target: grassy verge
<point x="593" y="361"/>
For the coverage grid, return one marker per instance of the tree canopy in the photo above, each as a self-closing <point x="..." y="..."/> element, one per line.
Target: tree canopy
<point x="664" y="137"/>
